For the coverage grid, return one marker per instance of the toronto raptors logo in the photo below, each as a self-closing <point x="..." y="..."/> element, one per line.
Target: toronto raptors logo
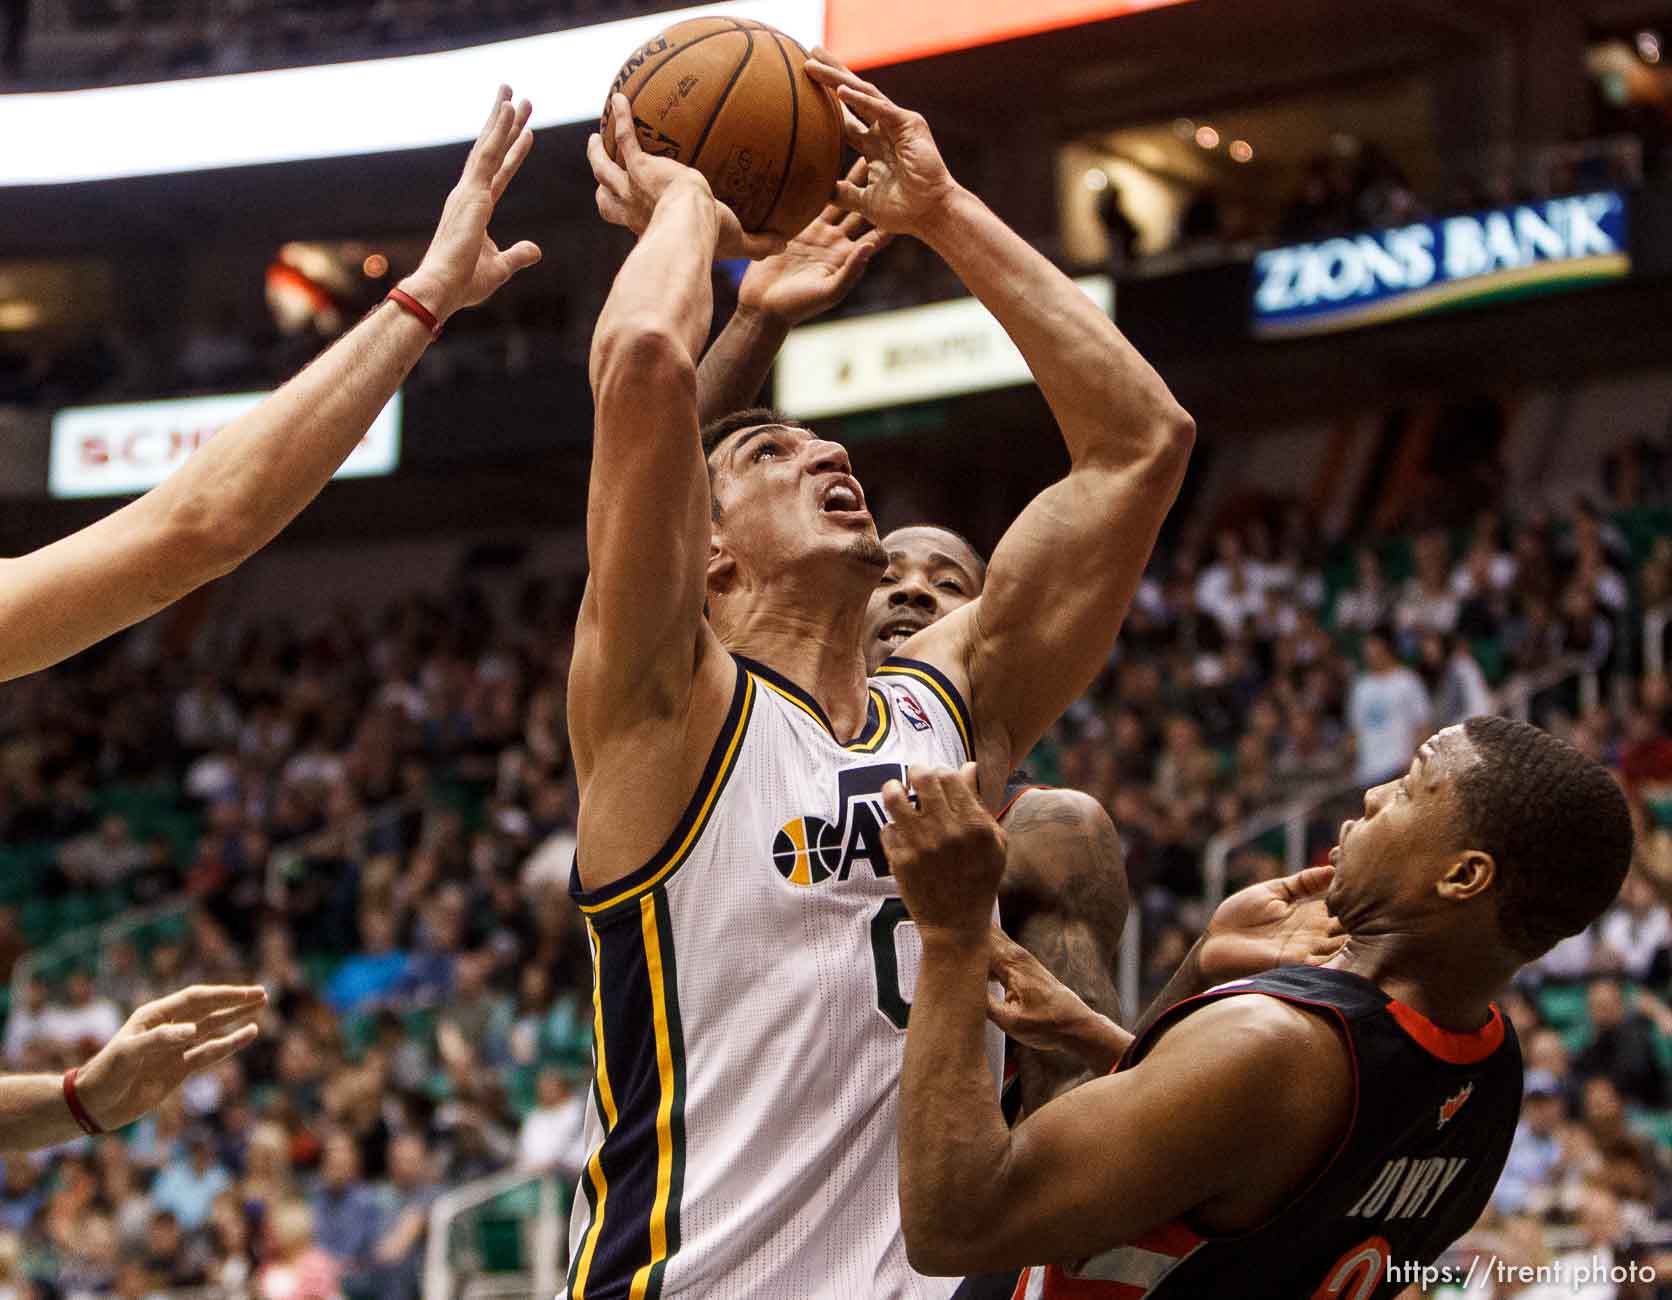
<point x="1451" y="1105"/>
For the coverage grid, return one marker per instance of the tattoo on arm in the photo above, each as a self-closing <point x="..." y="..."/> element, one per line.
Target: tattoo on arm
<point x="1065" y="899"/>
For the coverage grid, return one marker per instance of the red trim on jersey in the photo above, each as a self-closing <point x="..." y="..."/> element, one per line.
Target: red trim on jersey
<point x="1011" y="802"/>
<point x="1059" y="1286"/>
<point x="1449" y="1046"/>
<point x="1175" y="1238"/>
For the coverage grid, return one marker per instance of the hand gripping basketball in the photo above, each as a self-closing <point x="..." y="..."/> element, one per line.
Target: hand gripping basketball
<point x="907" y="181"/>
<point x="947" y="852"/>
<point x="629" y="191"/>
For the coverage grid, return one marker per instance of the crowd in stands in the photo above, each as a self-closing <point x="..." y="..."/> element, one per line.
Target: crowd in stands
<point x="121" y="42"/>
<point x="374" y="817"/>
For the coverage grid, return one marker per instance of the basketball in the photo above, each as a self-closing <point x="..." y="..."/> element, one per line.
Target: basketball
<point x="730" y="98"/>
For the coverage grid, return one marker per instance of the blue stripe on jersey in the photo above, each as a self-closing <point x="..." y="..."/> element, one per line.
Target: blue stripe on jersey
<point x="634" y="1181"/>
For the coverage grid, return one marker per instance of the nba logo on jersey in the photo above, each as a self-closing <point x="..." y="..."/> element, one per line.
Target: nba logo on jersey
<point x="912" y="711"/>
<point x="810" y="850"/>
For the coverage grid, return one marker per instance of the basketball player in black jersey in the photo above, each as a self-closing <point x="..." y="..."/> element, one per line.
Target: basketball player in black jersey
<point x="1321" y="1139"/>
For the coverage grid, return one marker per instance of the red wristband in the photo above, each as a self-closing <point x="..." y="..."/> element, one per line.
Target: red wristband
<point x="89" y="1125"/>
<point x="404" y="299"/>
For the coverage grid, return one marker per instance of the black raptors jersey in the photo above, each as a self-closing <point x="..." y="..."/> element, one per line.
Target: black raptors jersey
<point x="1433" y="1115"/>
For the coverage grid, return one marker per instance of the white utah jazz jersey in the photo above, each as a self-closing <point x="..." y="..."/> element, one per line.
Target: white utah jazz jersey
<point x="752" y="986"/>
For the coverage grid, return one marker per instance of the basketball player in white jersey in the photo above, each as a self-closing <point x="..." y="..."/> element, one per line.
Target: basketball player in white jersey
<point x="1065" y="893"/>
<point x="219" y="508"/>
<point x="754" y="965"/>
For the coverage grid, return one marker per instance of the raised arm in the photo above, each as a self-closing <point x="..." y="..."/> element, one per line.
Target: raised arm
<point x="253" y="477"/>
<point x="648" y="508"/>
<point x="816" y="270"/>
<point x="1061" y="579"/>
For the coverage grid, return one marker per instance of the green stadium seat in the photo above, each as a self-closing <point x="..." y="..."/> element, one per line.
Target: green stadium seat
<point x="38" y="919"/>
<point x="500" y="1246"/>
<point x="77" y="912"/>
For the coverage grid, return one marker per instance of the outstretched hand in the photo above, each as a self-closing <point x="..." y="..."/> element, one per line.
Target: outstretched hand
<point x="907" y="180"/>
<point x="163" y="1044"/>
<point x="816" y="269"/>
<point x="629" y="190"/>
<point x="1275" y="923"/>
<point x="463" y="266"/>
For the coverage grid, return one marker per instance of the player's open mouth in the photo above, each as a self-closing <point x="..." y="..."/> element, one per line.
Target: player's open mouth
<point x="898" y="632"/>
<point x="842" y="497"/>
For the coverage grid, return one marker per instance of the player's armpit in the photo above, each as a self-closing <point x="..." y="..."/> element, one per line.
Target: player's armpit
<point x="1060" y="582"/>
<point x="1222" y="1123"/>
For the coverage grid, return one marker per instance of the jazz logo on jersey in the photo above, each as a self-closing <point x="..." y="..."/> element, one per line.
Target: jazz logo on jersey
<point x="912" y="711"/>
<point x="810" y="850"/>
<point x="1451" y="1105"/>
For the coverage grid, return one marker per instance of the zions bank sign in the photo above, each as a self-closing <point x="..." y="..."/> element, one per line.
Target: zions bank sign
<point x="1520" y="251"/>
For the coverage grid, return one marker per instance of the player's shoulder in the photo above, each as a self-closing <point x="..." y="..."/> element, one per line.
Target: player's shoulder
<point x="1262" y="1037"/>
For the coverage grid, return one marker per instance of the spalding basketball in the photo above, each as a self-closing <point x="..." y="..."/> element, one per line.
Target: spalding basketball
<point x="730" y="98"/>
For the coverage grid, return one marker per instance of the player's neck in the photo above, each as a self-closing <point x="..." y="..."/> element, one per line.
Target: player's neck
<point x="814" y="646"/>
<point x="1448" y="987"/>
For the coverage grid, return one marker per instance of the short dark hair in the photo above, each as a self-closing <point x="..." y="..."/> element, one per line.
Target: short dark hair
<point x="980" y="559"/>
<point x="717" y="431"/>
<point x="1556" y="825"/>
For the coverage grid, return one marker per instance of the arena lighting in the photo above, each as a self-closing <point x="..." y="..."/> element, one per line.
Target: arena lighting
<point x="870" y="33"/>
<point x="339" y="109"/>
<point x="1207" y="137"/>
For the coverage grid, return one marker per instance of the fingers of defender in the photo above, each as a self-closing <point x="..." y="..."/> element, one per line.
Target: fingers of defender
<point x="872" y="109"/>
<point x="200" y="1000"/>
<point x="217" y="1050"/>
<point x="896" y="803"/>
<point x="1002" y="952"/>
<point x="489" y="149"/>
<point x="520" y="256"/>
<point x="513" y="162"/>
<point x="930" y="784"/>
<point x="825" y="67"/>
<point x="626" y="133"/>
<point x="851" y="224"/>
<point x="1309" y="883"/>
<point x="606" y="171"/>
<point x="850" y="197"/>
<point x="860" y="136"/>
<point x="963" y="791"/>
<point x="169" y="1038"/>
<point x="833" y="213"/>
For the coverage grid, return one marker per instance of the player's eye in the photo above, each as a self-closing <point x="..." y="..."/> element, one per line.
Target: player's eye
<point x="888" y="580"/>
<point x="948" y="585"/>
<point x="762" y="450"/>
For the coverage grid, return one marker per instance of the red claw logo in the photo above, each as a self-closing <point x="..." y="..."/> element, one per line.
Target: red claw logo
<point x="1451" y="1105"/>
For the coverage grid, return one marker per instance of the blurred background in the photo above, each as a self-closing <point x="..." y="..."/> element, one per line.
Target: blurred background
<point x="1404" y="260"/>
